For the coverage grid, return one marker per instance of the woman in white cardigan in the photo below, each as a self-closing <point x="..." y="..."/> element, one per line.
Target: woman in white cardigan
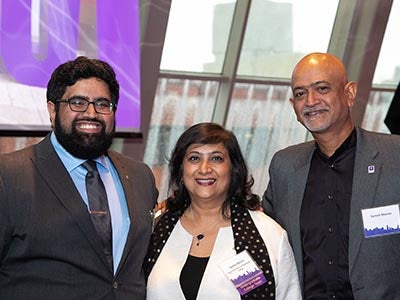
<point x="211" y="217"/>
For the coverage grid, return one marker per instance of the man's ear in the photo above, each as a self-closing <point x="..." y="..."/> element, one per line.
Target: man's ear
<point x="51" y="108"/>
<point x="350" y="90"/>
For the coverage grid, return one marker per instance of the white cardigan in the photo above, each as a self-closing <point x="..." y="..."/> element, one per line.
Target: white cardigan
<point x="163" y="282"/>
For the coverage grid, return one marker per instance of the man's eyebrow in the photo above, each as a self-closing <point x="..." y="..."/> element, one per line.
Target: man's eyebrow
<point x="303" y="87"/>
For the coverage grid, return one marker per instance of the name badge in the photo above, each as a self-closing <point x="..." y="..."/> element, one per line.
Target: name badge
<point x="244" y="273"/>
<point x="382" y="220"/>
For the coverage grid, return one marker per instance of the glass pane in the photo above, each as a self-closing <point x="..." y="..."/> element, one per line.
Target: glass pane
<point x="388" y="66"/>
<point x="376" y="110"/>
<point x="197" y="35"/>
<point x="179" y="103"/>
<point x="264" y="122"/>
<point x="279" y="33"/>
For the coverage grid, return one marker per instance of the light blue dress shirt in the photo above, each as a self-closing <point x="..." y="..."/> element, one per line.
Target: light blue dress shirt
<point x="120" y="220"/>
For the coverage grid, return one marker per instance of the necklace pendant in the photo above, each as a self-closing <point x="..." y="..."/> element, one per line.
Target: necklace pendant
<point x="199" y="237"/>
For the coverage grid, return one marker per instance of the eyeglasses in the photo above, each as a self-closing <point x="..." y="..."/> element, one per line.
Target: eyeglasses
<point x="80" y="104"/>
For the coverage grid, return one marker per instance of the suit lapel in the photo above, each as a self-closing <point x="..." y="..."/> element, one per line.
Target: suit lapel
<point x="364" y="187"/>
<point x="299" y="175"/>
<point x="53" y="172"/>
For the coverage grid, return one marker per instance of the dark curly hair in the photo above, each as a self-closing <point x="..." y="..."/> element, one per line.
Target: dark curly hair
<point x="67" y="74"/>
<point x="240" y="182"/>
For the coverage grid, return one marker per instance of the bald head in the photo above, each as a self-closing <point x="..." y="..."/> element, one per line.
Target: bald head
<point x="320" y="62"/>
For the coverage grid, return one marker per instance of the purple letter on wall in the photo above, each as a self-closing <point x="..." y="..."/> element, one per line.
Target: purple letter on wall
<point x="117" y="43"/>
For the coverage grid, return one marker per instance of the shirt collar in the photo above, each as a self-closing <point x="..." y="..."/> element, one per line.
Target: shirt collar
<point x="348" y="144"/>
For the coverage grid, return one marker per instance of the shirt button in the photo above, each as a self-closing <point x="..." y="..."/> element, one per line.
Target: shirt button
<point x="331" y="229"/>
<point x="333" y="296"/>
<point x="330" y="262"/>
<point x="331" y="166"/>
<point x="330" y="197"/>
<point x="115" y="285"/>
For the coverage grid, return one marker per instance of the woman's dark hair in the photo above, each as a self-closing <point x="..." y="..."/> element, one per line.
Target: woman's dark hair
<point x="240" y="182"/>
<point x="67" y="74"/>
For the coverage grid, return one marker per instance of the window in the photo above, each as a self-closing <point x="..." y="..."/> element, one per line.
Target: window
<point x="279" y="33"/>
<point x="197" y="35"/>
<point x="179" y="103"/>
<point x="387" y="75"/>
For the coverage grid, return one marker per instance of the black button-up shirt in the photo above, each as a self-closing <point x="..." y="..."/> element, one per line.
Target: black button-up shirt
<point x="324" y="223"/>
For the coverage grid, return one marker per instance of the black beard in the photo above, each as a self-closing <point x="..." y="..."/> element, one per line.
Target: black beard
<point x="82" y="145"/>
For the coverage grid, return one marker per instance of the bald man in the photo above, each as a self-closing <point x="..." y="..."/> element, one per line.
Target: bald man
<point x="337" y="196"/>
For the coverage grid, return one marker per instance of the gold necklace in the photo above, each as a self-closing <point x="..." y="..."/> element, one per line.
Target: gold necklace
<point x="201" y="234"/>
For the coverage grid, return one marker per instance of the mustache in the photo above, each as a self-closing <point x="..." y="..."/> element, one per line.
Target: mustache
<point x="307" y="110"/>
<point x="75" y="121"/>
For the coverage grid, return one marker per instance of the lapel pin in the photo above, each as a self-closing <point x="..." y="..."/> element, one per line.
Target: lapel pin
<point x="371" y="169"/>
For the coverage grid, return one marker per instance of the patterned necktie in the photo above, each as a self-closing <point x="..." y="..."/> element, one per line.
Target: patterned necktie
<point x="98" y="207"/>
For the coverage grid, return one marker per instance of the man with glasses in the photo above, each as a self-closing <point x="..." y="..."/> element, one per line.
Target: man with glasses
<point x="74" y="216"/>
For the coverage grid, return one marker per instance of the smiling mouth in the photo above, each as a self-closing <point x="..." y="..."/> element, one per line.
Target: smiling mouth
<point x="314" y="113"/>
<point x="206" y="182"/>
<point x="89" y="126"/>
